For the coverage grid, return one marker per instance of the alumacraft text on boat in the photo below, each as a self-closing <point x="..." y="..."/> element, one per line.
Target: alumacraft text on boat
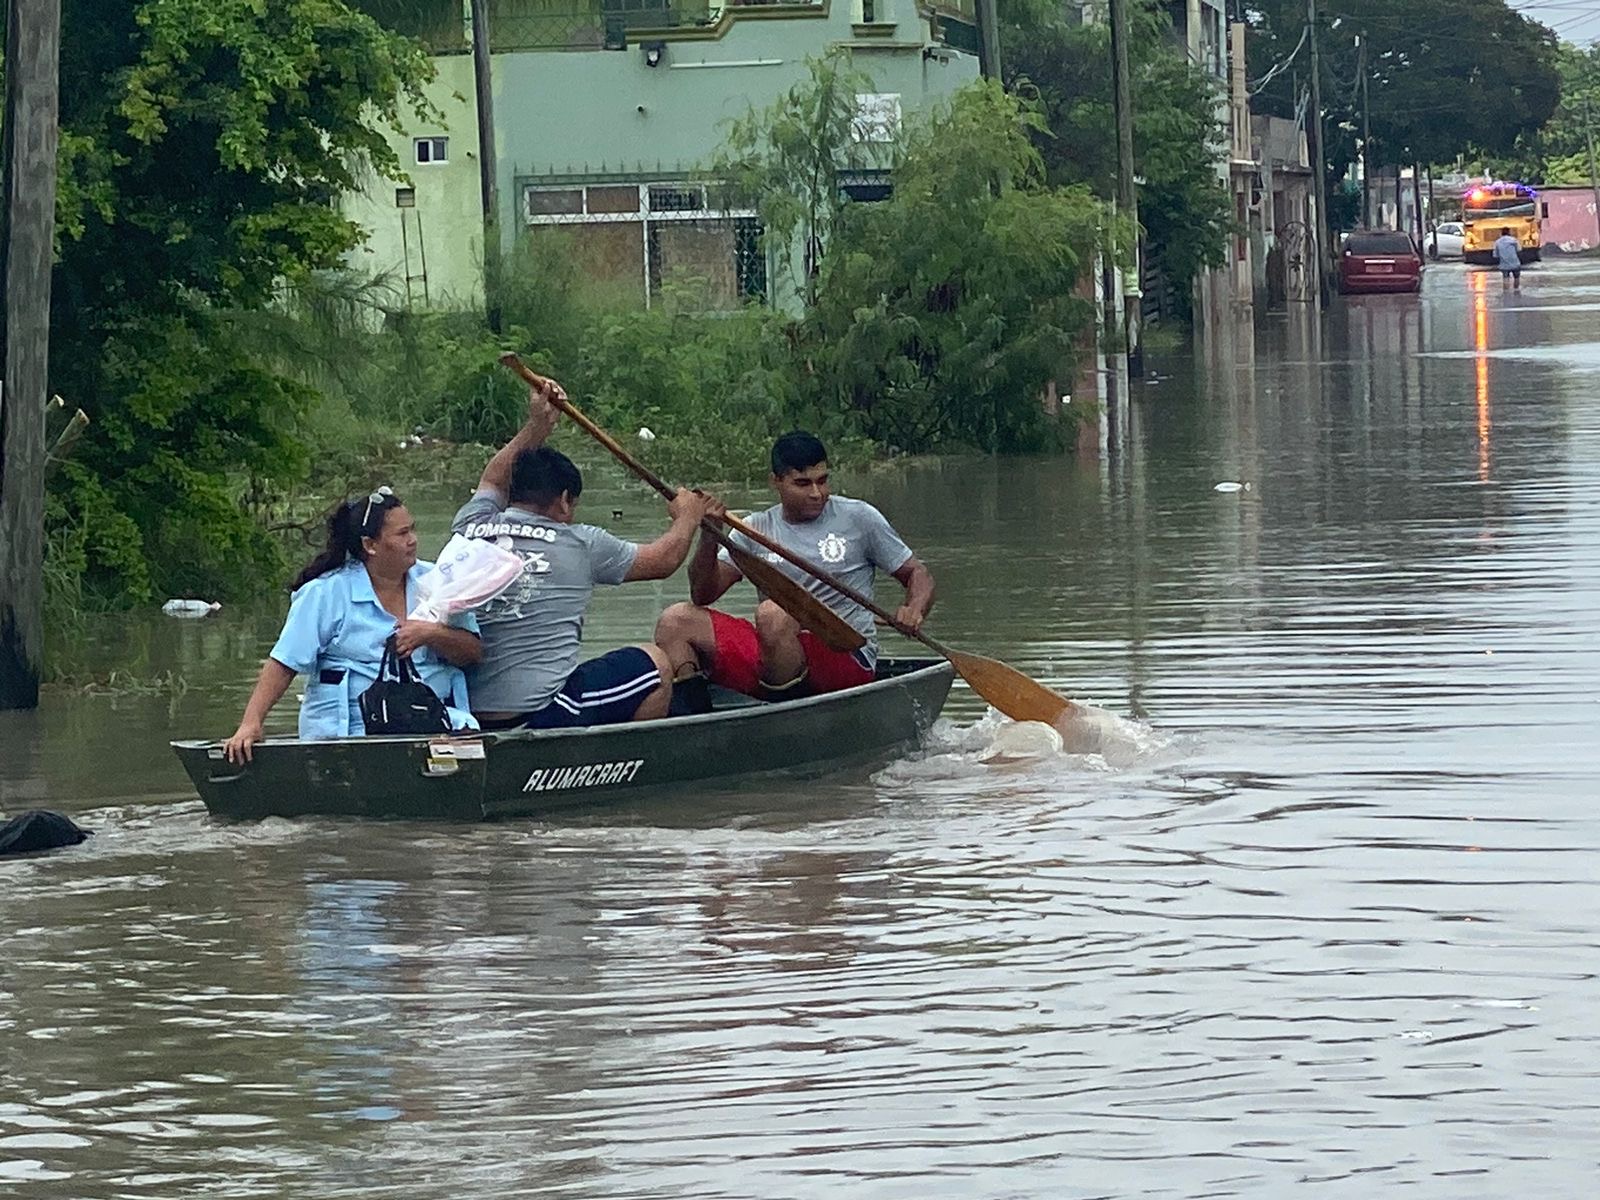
<point x="556" y="779"/>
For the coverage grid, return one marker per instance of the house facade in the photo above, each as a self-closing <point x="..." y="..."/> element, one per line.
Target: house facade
<point x="604" y="115"/>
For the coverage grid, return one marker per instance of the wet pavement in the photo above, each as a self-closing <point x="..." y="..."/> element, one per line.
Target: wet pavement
<point x="1323" y="915"/>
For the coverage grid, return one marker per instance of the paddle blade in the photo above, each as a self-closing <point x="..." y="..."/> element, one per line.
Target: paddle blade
<point x="1009" y="690"/>
<point x="813" y="614"/>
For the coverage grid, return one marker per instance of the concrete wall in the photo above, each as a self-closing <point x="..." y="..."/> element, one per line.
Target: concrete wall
<point x="608" y="114"/>
<point x="445" y="229"/>
<point x="1571" y="226"/>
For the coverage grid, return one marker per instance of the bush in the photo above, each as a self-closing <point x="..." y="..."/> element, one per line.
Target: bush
<point x="945" y="310"/>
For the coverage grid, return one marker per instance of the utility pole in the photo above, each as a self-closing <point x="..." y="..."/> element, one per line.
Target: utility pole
<point x="1594" y="176"/>
<point x="1366" y="132"/>
<point x="988" y="39"/>
<point x="488" y="185"/>
<point x="32" y="88"/>
<point x="1127" y="196"/>
<point x="1319" y="165"/>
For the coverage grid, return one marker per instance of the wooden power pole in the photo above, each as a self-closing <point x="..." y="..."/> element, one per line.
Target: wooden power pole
<point x="1127" y="196"/>
<point x="988" y="39"/>
<point x="488" y="182"/>
<point x="33" y="42"/>
<point x="1594" y="175"/>
<point x="1319" y="162"/>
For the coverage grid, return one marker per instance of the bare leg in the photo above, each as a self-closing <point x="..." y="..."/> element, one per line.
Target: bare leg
<point x="684" y="634"/>
<point x="782" y="658"/>
<point x="655" y="704"/>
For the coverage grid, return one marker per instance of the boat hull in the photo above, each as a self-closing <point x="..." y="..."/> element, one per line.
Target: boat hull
<point x="525" y="773"/>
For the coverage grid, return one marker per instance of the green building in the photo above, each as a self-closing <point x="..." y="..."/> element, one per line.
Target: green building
<point x="602" y="111"/>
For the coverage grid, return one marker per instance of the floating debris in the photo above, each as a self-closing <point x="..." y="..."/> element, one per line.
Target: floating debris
<point x="190" y="608"/>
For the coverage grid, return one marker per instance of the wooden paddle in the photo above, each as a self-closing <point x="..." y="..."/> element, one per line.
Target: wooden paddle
<point x="783" y="591"/>
<point x="1006" y="688"/>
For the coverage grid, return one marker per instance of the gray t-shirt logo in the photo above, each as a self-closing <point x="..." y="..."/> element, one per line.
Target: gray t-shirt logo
<point x="851" y="539"/>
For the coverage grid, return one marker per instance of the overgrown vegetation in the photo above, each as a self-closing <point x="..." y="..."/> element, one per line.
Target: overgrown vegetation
<point x="202" y="143"/>
<point x="237" y="381"/>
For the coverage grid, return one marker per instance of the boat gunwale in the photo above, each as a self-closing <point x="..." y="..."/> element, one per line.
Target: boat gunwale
<point x="520" y="736"/>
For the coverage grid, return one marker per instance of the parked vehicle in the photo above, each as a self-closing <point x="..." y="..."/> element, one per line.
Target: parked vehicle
<point x="1446" y="240"/>
<point x="1379" y="260"/>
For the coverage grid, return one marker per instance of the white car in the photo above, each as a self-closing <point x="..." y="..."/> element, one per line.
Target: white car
<point x="1445" y="240"/>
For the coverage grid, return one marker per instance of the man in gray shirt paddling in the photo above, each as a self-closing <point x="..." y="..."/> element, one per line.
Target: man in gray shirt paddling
<point x="530" y="676"/>
<point x="772" y="656"/>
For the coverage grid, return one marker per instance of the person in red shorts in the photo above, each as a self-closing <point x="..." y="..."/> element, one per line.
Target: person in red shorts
<point x="772" y="657"/>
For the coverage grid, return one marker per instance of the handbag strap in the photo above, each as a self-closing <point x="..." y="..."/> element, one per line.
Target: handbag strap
<point x="397" y="667"/>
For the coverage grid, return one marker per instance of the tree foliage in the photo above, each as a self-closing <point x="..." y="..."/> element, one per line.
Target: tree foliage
<point x="1445" y="78"/>
<point x="944" y="310"/>
<point x="1559" y="152"/>
<point x="786" y="161"/>
<point x="204" y="142"/>
<point x="1179" y="131"/>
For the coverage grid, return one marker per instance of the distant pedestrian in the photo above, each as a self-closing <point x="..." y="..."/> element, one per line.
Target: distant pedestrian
<point x="1508" y="256"/>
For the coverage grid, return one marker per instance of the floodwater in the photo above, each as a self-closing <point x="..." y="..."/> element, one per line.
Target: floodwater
<point x="1331" y="920"/>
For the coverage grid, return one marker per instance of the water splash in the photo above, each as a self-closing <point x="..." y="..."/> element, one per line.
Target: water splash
<point x="1091" y="741"/>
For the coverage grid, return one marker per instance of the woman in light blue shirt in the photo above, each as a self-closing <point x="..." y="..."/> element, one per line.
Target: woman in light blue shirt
<point x="347" y="603"/>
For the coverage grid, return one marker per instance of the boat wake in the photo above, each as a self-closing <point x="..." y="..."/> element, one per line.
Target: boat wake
<point x="1090" y="740"/>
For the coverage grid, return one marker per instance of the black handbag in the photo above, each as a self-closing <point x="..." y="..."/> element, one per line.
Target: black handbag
<point x="399" y="702"/>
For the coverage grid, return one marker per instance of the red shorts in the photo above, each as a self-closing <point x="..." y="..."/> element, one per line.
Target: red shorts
<point x="738" y="661"/>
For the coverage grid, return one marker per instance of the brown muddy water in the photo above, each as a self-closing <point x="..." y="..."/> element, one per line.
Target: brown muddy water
<point x="1328" y="919"/>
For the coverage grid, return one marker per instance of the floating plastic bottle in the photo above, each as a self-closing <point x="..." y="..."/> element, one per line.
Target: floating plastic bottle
<point x="190" y="608"/>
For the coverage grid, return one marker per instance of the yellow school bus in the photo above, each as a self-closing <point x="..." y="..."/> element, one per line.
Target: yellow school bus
<point x="1488" y="209"/>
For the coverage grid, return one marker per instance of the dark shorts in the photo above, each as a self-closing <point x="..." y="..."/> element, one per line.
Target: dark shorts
<point x="738" y="661"/>
<point x="603" y="691"/>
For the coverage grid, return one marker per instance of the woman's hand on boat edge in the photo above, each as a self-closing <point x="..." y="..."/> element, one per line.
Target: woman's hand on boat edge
<point x="240" y="747"/>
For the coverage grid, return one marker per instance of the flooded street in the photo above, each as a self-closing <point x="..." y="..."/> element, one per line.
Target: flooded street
<point x="1328" y="918"/>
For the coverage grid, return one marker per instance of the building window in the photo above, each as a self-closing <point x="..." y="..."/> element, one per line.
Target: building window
<point x="654" y="237"/>
<point x="665" y="199"/>
<point x="432" y="149"/>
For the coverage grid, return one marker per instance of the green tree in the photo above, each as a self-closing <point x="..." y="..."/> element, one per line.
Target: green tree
<point x="1179" y="132"/>
<point x="1444" y="78"/>
<point x="786" y="161"/>
<point x="944" y="310"/>
<point x="1559" y="153"/>
<point x="204" y="144"/>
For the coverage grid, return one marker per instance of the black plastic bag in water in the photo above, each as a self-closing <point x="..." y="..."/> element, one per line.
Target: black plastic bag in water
<point x="399" y="702"/>
<point x="37" y="830"/>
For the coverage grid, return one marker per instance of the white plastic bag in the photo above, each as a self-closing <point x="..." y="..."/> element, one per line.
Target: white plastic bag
<point x="468" y="573"/>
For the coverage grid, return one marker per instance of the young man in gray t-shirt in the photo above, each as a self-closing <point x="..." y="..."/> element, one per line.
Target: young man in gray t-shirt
<point x="530" y="676"/>
<point x="772" y="656"/>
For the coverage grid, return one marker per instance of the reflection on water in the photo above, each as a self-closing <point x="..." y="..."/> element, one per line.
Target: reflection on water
<point x="1328" y="920"/>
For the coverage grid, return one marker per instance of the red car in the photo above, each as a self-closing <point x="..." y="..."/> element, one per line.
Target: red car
<point x="1380" y="260"/>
